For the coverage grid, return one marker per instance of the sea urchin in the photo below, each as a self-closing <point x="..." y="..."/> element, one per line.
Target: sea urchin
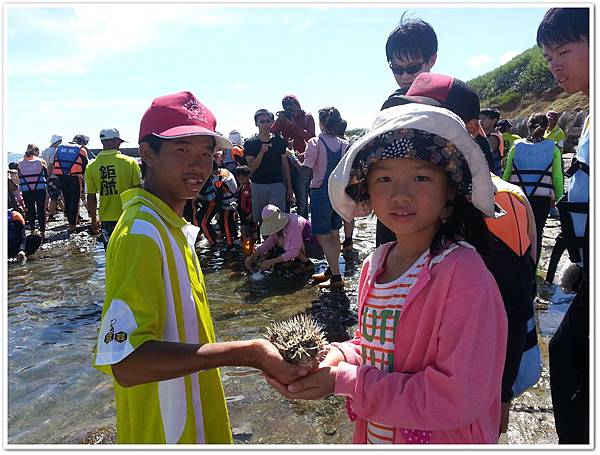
<point x="300" y="340"/>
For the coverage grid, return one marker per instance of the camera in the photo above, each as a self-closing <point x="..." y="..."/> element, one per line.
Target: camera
<point x="285" y="113"/>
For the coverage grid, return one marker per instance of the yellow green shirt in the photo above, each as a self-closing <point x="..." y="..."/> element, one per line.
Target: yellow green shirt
<point x="557" y="135"/>
<point x="110" y="174"/>
<point x="155" y="291"/>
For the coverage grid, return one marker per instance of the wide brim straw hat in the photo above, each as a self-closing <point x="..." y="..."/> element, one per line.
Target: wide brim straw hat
<point x="427" y="124"/>
<point x="273" y="220"/>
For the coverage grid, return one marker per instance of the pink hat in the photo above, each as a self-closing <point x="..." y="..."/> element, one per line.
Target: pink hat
<point x="180" y="115"/>
<point x="552" y="114"/>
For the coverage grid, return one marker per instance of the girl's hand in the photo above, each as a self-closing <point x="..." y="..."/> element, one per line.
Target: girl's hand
<point x="318" y="384"/>
<point x="333" y="357"/>
<point x="265" y="265"/>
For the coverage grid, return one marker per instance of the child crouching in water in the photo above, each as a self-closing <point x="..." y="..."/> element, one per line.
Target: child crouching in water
<point x="425" y="365"/>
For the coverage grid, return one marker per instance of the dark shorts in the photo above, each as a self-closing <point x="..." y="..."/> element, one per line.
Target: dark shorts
<point x="107" y="229"/>
<point x="53" y="187"/>
<point x="323" y="219"/>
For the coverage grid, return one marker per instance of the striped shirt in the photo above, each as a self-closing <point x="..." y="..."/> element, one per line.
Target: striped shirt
<point x="155" y="291"/>
<point x="377" y="325"/>
<point x="379" y="320"/>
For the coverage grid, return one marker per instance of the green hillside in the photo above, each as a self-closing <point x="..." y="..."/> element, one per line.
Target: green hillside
<point x="527" y="74"/>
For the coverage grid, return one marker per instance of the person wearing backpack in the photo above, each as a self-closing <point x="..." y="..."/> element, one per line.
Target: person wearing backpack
<point x="513" y="235"/>
<point x="323" y="153"/>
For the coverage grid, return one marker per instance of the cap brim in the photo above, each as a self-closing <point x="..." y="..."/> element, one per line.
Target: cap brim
<point x="401" y="100"/>
<point x="192" y="130"/>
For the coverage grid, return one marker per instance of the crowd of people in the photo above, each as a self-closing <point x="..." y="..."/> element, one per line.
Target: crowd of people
<point x="446" y="335"/>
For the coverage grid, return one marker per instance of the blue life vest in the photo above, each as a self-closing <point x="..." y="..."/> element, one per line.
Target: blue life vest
<point x="532" y="167"/>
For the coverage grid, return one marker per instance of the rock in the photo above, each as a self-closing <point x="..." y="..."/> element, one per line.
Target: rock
<point x="329" y="430"/>
<point x="243" y="433"/>
<point x="103" y="435"/>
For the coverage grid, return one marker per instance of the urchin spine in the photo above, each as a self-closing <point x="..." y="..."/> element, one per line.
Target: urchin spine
<point x="299" y="339"/>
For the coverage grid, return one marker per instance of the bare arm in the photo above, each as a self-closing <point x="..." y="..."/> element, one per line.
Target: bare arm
<point x="92" y="204"/>
<point x="161" y="360"/>
<point x="254" y="162"/>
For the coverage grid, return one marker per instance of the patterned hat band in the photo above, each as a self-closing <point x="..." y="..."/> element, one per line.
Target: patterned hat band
<point x="409" y="143"/>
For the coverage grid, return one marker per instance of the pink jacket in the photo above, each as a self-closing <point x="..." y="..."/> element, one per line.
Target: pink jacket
<point x="448" y="360"/>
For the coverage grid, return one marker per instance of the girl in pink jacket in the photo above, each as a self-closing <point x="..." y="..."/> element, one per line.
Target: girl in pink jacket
<point x="425" y="365"/>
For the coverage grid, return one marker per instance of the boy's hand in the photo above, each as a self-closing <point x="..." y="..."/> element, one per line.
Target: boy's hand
<point x="249" y="260"/>
<point x="265" y="147"/>
<point x="270" y="362"/>
<point x="319" y="384"/>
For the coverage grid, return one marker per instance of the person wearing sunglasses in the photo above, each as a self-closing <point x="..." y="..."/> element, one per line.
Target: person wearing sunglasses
<point x="411" y="49"/>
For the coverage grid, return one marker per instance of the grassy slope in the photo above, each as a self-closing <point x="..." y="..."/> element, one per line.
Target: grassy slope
<point x="524" y="85"/>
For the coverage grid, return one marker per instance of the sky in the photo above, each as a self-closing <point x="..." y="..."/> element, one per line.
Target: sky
<point x="79" y="68"/>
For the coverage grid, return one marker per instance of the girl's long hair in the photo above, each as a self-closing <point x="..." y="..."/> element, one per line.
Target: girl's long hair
<point x="464" y="223"/>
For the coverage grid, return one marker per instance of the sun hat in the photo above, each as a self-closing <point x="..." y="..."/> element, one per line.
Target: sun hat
<point x="55" y="138"/>
<point x="180" y="115"/>
<point x="110" y="133"/>
<point x="414" y="131"/>
<point x="273" y="220"/>
<point x="441" y="91"/>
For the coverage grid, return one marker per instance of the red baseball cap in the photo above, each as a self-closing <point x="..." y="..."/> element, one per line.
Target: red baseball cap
<point x="180" y="115"/>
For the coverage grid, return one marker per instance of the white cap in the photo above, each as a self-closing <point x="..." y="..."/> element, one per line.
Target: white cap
<point x="110" y="133"/>
<point x="235" y="137"/>
<point x="55" y="138"/>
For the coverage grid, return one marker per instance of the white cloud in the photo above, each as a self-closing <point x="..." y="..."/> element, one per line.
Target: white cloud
<point x="508" y="56"/>
<point x="302" y="27"/>
<point x="479" y="61"/>
<point x="47" y="81"/>
<point x="239" y="86"/>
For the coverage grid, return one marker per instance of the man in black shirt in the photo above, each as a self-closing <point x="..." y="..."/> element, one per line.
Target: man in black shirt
<point x="265" y="153"/>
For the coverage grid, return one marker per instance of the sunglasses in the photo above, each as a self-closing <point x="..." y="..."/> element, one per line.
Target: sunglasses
<point x="412" y="69"/>
<point x="264" y="122"/>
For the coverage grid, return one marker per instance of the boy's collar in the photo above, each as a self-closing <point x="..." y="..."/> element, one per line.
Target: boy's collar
<point x="144" y="197"/>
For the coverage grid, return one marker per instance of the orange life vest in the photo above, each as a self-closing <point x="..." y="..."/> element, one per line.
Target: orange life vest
<point x="517" y="227"/>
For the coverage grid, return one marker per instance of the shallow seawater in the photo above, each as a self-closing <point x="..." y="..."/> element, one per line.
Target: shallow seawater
<point x="54" y="305"/>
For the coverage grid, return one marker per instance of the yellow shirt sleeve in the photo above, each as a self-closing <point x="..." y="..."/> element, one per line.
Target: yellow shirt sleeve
<point x="135" y="302"/>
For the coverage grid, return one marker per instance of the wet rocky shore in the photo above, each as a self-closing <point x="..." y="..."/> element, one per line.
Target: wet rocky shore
<point x="241" y="309"/>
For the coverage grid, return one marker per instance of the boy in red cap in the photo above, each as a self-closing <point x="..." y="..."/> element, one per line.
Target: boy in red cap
<point x="156" y="336"/>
